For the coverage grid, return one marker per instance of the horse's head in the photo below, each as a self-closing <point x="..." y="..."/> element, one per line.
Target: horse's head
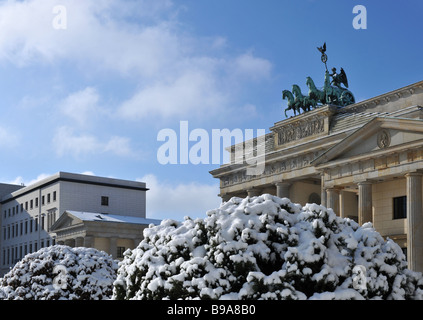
<point x="296" y="89"/>
<point x="309" y="81"/>
<point x="286" y="94"/>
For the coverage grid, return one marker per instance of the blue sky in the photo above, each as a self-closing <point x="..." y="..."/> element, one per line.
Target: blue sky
<point x="92" y="97"/>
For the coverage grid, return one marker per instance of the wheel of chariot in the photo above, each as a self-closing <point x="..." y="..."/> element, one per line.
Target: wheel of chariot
<point x="347" y="98"/>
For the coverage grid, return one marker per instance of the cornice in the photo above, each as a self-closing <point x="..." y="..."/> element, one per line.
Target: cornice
<point x="383" y="98"/>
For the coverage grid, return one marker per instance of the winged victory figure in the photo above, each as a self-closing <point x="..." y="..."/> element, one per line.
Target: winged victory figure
<point x="339" y="78"/>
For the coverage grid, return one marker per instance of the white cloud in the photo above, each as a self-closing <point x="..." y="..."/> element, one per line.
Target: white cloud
<point x="191" y="93"/>
<point x="8" y="138"/>
<point x="174" y="201"/>
<point x="120" y="146"/>
<point x="21" y="181"/>
<point x="81" y="106"/>
<point x="96" y="34"/>
<point x="177" y="74"/>
<point x="67" y="142"/>
<point x="251" y="67"/>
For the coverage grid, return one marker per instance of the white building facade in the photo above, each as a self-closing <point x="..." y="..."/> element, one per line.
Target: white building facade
<point x="29" y="214"/>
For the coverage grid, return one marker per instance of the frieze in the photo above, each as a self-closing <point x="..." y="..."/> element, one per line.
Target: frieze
<point x="272" y="169"/>
<point x="300" y="130"/>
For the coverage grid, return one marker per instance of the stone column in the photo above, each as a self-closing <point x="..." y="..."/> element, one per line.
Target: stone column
<point x="89" y="241"/>
<point x="282" y="189"/>
<point x="254" y="192"/>
<point x="79" y="242"/>
<point x="342" y="204"/>
<point x="415" y="221"/>
<point x="70" y="242"/>
<point x="332" y="199"/>
<point x="113" y="247"/>
<point x="225" y="197"/>
<point x="365" y="202"/>
<point x="323" y="189"/>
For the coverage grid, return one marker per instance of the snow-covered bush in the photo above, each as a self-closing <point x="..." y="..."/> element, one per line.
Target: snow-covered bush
<point x="61" y="272"/>
<point x="266" y="248"/>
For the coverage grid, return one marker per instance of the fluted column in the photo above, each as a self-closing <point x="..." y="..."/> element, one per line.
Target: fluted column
<point x="332" y="199"/>
<point x="89" y="241"/>
<point x="113" y="247"/>
<point x="365" y="202"/>
<point x="225" y="197"/>
<point x="254" y="192"/>
<point x="79" y="242"/>
<point x="282" y="189"/>
<point x="415" y="221"/>
<point x="342" y="204"/>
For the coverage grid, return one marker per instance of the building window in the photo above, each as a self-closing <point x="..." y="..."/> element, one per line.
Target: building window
<point x="48" y="198"/>
<point x="120" y="251"/>
<point x="43" y="200"/>
<point x="400" y="207"/>
<point x="54" y="195"/>
<point x="104" y="201"/>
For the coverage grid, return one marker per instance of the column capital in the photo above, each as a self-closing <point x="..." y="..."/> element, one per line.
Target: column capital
<point x="282" y="189"/>
<point x="253" y="192"/>
<point x="364" y="183"/>
<point x="225" y="196"/>
<point x="413" y="174"/>
<point x="283" y="184"/>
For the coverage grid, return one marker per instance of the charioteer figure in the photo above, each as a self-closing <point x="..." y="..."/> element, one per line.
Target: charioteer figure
<point x="338" y="79"/>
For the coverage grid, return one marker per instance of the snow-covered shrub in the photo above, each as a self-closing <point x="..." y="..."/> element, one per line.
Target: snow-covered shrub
<point x="61" y="272"/>
<point x="266" y="248"/>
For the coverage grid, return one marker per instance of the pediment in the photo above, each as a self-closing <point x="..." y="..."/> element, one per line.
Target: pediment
<point x="379" y="134"/>
<point x="66" y="220"/>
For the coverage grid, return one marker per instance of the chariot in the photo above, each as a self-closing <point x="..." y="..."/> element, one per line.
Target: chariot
<point x="331" y="93"/>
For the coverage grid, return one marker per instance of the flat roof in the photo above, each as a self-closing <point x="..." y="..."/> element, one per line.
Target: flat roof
<point x="76" y="178"/>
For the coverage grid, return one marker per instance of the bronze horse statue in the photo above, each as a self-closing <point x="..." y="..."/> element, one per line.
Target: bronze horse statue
<point x="286" y="94"/>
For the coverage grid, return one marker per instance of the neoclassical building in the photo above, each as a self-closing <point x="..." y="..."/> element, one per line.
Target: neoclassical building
<point x="364" y="160"/>
<point x="73" y="209"/>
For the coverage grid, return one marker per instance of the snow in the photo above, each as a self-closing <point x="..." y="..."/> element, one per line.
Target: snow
<point x="266" y="247"/>
<point x="94" y="216"/>
<point x="261" y="247"/>
<point x="61" y="272"/>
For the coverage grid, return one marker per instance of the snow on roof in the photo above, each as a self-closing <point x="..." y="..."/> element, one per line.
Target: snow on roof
<point x="93" y="216"/>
